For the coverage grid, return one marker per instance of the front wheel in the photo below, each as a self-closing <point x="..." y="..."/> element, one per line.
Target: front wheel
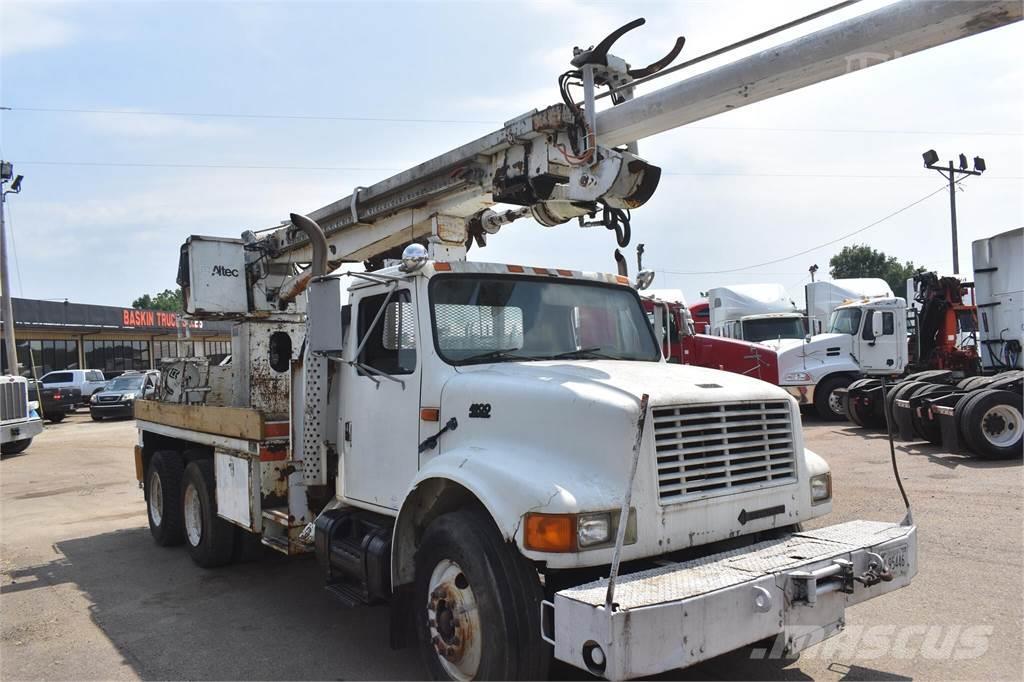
<point x="15" y="446"/>
<point x="477" y="603"/>
<point x="827" y="402"/>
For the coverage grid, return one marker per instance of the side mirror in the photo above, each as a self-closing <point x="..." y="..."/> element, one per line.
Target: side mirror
<point x="876" y="323"/>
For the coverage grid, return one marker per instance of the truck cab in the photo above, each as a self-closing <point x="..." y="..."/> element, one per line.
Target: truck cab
<point x="867" y="336"/>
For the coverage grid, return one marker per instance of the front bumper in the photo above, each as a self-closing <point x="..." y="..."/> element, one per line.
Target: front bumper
<point x="16" y="431"/>
<point x="675" y="616"/>
<point x="804" y="393"/>
<point x="112" y="410"/>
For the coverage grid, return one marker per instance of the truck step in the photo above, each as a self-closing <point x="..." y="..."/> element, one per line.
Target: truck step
<point x="347" y="594"/>
<point x="278" y="515"/>
<point x="277" y="543"/>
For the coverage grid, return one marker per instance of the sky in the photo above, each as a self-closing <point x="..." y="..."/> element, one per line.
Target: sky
<point x="109" y="197"/>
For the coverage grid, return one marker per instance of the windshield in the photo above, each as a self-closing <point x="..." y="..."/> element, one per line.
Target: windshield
<point x="770" y="328"/>
<point x="844" y="321"/>
<point x="494" y="318"/>
<point x="125" y="384"/>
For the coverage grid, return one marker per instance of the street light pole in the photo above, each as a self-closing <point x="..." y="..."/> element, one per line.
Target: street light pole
<point x="6" y="172"/>
<point x="931" y="158"/>
<point x="952" y="218"/>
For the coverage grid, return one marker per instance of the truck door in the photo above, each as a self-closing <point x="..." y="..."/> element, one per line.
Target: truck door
<point x="380" y="399"/>
<point x="882" y="342"/>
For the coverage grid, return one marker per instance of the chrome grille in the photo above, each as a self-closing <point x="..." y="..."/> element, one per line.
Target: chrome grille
<point x="13" y="400"/>
<point x="706" y="450"/>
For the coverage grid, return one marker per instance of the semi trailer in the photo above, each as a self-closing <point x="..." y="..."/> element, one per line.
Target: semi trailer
<point x="499" y="451"/>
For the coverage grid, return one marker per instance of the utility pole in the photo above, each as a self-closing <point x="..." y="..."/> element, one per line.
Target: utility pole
<point x="931" y="158"/>
<point x="6" y="174"/>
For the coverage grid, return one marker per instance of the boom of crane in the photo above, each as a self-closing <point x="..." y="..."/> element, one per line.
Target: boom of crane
<point x="556" y="164"/>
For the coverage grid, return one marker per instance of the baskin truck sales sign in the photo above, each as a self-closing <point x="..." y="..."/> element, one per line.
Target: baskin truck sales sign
<point x="131" y="317"/>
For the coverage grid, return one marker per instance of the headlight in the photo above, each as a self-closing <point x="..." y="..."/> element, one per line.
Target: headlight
<point x="821" y="488"/>
<point x="573" y="532"/>
<point x="798" y="376"/>
<point x="93" y="398"/>
<point x="127" y="396"/>
<point x="593" y="529"/>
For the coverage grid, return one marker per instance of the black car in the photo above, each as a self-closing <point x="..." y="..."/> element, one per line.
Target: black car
<point x="56" y="402"/>
<point x="118" y="398"/>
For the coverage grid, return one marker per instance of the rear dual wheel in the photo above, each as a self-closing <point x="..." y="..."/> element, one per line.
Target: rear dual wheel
<point x="991" y="424"/>
<point x="209" y="538"/>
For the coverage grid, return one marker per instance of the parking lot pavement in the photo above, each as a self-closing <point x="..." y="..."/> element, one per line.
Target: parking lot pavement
<point x="85" y="594"/>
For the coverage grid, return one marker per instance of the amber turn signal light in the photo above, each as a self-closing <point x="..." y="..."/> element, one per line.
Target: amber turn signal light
<point x="550" y="532"/>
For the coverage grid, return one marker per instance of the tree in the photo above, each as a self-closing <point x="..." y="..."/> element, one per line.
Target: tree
<point x="861" y="260"/>
<point x="169" y="300"/>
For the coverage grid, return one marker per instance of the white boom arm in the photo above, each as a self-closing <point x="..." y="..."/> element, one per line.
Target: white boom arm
<point x="530" y="161"/>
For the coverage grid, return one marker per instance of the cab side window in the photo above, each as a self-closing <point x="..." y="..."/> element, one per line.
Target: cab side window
<point x="391" y="346"/>
<point x="888" y="326"/>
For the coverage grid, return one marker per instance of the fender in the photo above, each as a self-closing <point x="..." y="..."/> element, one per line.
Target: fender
<point x="505" y="484"/>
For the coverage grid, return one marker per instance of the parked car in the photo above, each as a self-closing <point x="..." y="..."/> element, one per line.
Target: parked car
<point x="56" y="403"/>
<point x="118" y="398"/>
<point x="88" y="381"/>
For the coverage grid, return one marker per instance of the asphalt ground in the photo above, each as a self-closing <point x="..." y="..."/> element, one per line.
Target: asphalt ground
<point x="85" y="593"/>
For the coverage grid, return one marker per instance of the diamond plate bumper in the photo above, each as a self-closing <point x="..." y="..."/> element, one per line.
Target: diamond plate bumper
<point x="677" y="615"/>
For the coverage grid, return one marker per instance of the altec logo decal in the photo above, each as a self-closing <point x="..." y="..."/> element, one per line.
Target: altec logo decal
<point x="224" y="271"/>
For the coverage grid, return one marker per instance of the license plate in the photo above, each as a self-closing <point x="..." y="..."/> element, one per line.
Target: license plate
<point x="896" y="560"/>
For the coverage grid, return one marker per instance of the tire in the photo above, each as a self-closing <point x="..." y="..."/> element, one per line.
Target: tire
<point x="828" y="405"/>
<point x="209" y="538"/>
<point x="929" y="429"/>
<point x="462" y="560"/>
<point x="163" y="495"/>
<point x="56" y="418"/>
<point x="95" y="417"/>
<point x="898" y="392"/>
<point x="993" y="425"/>
<point x="15" y="446"/>
<point x="856" y="412"/>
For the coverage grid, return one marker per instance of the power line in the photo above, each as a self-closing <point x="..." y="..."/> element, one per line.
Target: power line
<point x="367" y="169"/>
<point x="375" y="119"/>
<point x="208" y="114"/>
<point x="813" y="248"/>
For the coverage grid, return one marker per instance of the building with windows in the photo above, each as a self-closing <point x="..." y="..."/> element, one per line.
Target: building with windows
<point x="55" y="335"/>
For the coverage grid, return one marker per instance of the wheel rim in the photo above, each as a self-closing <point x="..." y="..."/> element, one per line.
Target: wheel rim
<point x="835" y="403"/>
<point x="1001" y="425"/>
<point x="193" y="516"/>
<point x="156" y="499"/>
<point x="454" y="621"/>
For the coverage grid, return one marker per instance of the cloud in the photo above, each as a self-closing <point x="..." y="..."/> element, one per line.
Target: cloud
<point x="26" y="27"/>
<point x="156" y="125"/>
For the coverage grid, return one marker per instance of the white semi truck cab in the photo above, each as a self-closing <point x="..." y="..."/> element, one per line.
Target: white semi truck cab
<point x="864" y="337"/>
<point x="19" y="417"/>
<point x="499" y="452"/>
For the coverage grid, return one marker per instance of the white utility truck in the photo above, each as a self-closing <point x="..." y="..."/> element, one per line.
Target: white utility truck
<point x="19" y="419"/>
<point x="824" y="297"/>
<point x="760" y="313"/>
<point x="499" y="451"/>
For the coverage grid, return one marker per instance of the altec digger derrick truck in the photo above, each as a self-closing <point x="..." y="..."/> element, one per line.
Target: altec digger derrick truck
<point x="499" y="451"/>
